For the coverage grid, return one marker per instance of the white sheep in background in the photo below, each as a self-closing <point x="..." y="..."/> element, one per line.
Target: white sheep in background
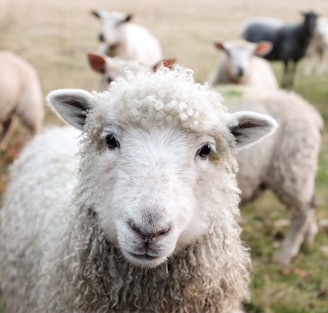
<point x="20" y="95"/>
<point x="119" y="37"/>
<point x="150" y="225"/>
<point x="112" y="68"/>
<point x="285" y="163"/>
<point x="240" y="65"/>
<point x="318" y="48"/>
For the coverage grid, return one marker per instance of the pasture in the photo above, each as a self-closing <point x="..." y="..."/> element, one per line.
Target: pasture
<point x="55" y="36"/>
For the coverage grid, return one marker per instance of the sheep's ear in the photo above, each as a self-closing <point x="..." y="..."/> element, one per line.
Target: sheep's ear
<point x="164" y="63"/>
<point x="95" y="13"/>
<point x="125" y="19"/>
<point x="97" y="62"/>
<point x="250" y="127"/>
<point x="263" y="48"/>
<point x="71" y="105"/>
<point x="128" y="18"/>
<point x="220" y="46"/>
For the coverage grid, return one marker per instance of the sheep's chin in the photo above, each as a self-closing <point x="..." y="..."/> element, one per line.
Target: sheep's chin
<point x="144" y="261"/>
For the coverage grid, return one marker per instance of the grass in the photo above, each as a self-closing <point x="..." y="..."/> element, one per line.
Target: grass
<point x="55" y="36"/>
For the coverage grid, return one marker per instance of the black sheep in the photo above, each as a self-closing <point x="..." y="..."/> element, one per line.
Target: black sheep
<point x="290" y="41"/>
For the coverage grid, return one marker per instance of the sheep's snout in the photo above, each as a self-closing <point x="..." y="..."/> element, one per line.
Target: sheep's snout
<point x="149" y="237"/>
<point x="147" y="244"/>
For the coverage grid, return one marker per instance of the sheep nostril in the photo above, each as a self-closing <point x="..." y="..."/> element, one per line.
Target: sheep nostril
<point x="135" y="228"/>
<point x="162" y="232"/>
<point x="148" y="236"/>
<point x="101" y="37"/>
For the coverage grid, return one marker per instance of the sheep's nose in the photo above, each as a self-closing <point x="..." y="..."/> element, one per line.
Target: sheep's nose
<point x="149" y="236"/>
<point x="101" y="37"/>
<point x="109" y="79"/>
<point x="240" y="72"/>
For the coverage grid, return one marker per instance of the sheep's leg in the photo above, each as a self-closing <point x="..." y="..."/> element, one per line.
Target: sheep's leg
<point x="312" y="229"/>
<point x="322" y="61"/>
<point x="289" y="73"/>
<point x="5" y="131"/>
<point x="284" y="75"/>
<point x="292" y="74"/>
<point x="309" y="65"/>
<point x="319" y="63"/>
<point x="299" y="227"/>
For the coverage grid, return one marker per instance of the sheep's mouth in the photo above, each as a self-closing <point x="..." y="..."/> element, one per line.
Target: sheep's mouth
<point x="144" y="256"/>
<point x="145" y="260"/>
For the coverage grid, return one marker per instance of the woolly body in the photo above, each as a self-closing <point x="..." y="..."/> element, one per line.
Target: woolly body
<point x="286" y="162"/>
<point x="74" y="228"/>
<point x="127" y="40"/>
<point x="20" y="94"/>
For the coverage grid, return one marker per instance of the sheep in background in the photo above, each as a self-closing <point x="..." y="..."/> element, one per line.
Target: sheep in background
<point x="285" y="163"/>
<point x="290" y="41"/>
<point x="147" y="221"/>
<point x="20" y="94"/>
<point x="112" y="68"/>
<point x="126" y="40"/>
<point x="240" y="65"/>
<point x="318" y="47"/>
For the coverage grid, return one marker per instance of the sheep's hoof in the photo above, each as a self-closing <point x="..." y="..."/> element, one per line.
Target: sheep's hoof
<point x="283" y="257"/>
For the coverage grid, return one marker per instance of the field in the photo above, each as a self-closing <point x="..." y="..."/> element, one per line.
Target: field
<point x="56" y="35"/>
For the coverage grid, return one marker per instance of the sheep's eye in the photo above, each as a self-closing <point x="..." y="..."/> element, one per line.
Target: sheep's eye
<point x="112" y="142"/>
<point x="205" y="151"/>
<point x="109" y="79"/>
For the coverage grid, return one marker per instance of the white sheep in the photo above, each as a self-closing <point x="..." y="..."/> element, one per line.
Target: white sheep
<point x="318" y="48"/>
<point x="285" y="163"/>
<point x="112" y="68"/>
<point x="20" y="94"/>
<point x="145" y="220"/>
<point x="119" y="37"/>
<point x="240" y="65"/>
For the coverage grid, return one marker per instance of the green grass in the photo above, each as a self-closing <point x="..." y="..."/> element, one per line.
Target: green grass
<point x="55" y="36"/>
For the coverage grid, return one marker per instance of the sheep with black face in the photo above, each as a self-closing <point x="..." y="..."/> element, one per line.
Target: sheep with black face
<point x="290" y="41"/>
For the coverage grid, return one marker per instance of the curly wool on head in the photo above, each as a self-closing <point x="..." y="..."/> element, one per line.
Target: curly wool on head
<point x="152" y="98"/>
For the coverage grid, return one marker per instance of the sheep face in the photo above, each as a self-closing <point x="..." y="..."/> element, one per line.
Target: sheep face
<point x="310" y="21"/>
<point x="148" y="154"/>
<point x="151" y="209"/>
<point x="109" y="26"/>
<point x="238" y="61"/>
<point x="112" y="68"/>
